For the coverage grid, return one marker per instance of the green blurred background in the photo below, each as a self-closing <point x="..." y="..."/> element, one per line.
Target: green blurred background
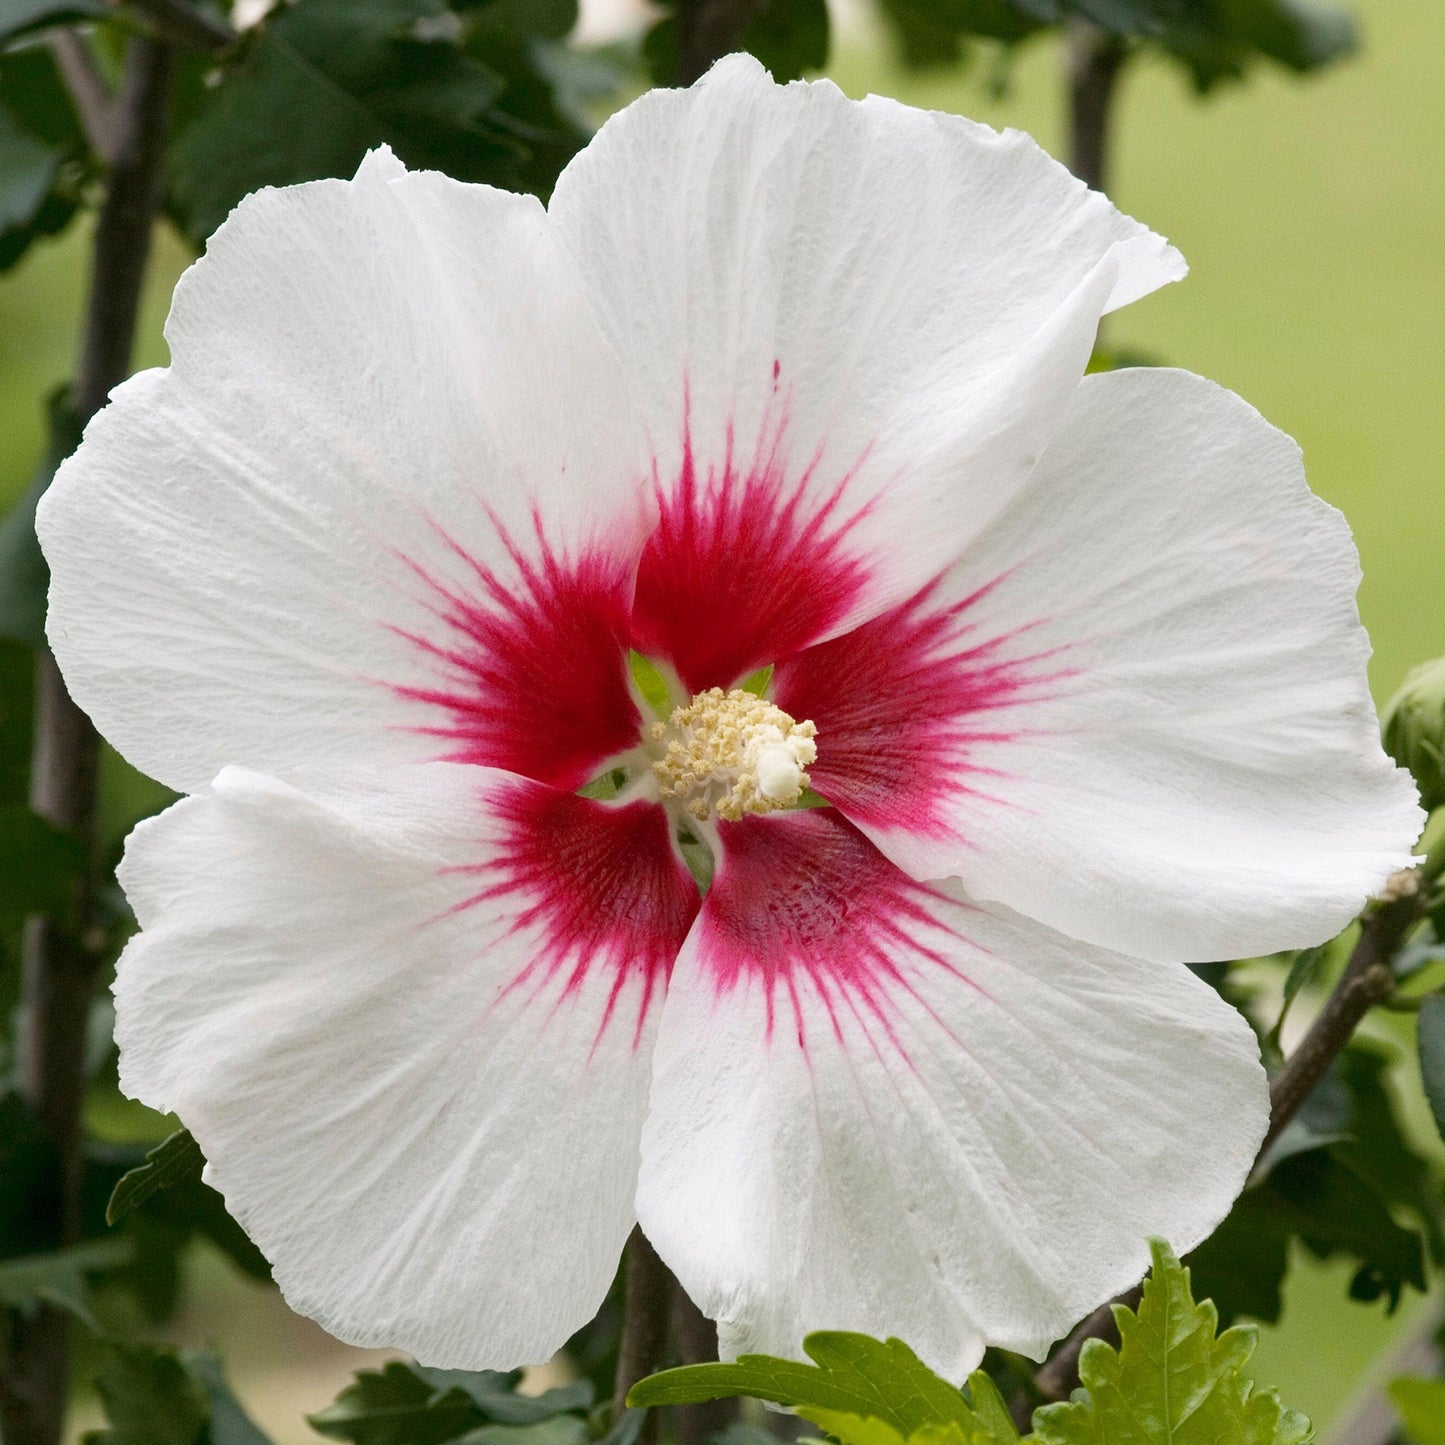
<point x="1313" y="216"/>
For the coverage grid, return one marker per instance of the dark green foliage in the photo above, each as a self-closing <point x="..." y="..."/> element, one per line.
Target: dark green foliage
<point x="44" y="166"/>
<point x="20" y="17"/>
<point x="1431" y="1043"/>
<point x="404" y="1404"/>
<point x="40" y="865"/>
<point x="156" y="1396"/>
<point x="1336" y="1180"/>
<point x="1214" y="40"/>
<point x="29" y="1181"/>
<point x="24" y="577"/>
<point x="1302" y="972"/>
<point x="161" y="1227"/>
<point x="309" y="92"/>
<point x="171" y="1162"/>
<point x="58" y="1277"/>
<point x="789" y="37"/>
<point x="937" y="32"/>
<point x="229" y="1423"/>
<point x="150" y="1397"/>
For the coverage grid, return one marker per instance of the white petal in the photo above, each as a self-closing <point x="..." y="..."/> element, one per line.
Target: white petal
<point x="385" y="395"/>
<point x="859" y="299"/>
<point x="411" y="1029"/>
<point x="879" y="1107"/>
<point x="1137" y="711"/>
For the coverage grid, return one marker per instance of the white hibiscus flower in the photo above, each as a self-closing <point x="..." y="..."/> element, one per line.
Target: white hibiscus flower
<point x="777" y="379"/>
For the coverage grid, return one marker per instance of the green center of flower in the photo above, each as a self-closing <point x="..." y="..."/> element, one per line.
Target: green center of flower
<point x="732" y="753"/>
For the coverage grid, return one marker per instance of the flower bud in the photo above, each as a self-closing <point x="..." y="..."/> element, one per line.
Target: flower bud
<point x="1414" y="727"/>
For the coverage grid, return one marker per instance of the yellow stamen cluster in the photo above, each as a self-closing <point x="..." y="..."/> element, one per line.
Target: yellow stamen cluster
<point x="733" y="753"/>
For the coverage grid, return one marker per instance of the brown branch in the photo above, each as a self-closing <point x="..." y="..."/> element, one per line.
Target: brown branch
<point x="646" y="1314"/>
<point x="696" y="1337"/>
<point x="1366" y="980"/>
<point x="1095" y="62"/>
<point x="59" y="962"/>
<point x="89" y="89"/>
<point x="706" y="31"/>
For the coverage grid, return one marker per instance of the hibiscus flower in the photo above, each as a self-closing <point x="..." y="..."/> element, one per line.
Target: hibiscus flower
<point x="516" y="901"/>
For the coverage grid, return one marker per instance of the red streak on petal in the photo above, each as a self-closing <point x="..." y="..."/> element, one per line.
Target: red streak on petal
<point x="804" y="901"/>
<point x="532" y="673"/>
<point x="746" y="565"/>
<point x="902" y="702"/>
<point x="598" y="887"/>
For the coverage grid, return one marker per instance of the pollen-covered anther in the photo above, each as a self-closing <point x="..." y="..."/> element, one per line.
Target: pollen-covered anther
<point x="732" y="753"/>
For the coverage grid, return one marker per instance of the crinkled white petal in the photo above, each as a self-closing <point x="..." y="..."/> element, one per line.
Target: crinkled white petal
<point x="850" y="297"/>
<point x="368" y="379"/>
<point x="970" y="1153"/>
<point x="431" y="1160"/>
<point x="1186" y="762"/>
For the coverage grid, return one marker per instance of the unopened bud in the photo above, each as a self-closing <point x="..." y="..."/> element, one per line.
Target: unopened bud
<point x="1414" y="727"/>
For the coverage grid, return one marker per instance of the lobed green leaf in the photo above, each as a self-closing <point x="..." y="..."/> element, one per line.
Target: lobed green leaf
<point x="851" y="1378"/>
<point x="1172" y="1381"/>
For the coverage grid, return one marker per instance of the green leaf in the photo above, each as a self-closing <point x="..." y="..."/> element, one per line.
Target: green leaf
<point x="551" y="19"/>
<point x="38" y="864"/>
<point x="58" y="1278"/>
<point x="1382" y="1151"/>
<point x="494" y="1393"/>
<point x="1430" y="1040"/>
<point x="789" y="37"/>
<point x="1343" y="1178"/>
<point x="1323" y="1202"/>
<point x="936" y="32"/>
<point x="28" y="168"/>
<point x="20" y="16"/>
<point x="1172" y="1381"/>
<point x="24" y="577"/>
<point x="321" y="82"/>
<point x="30" y="1181"/>
<point x="1421" y="1404"/>
<point x="178" y="1158"/>
<point x="44" y="160"/>
<point x="1302" y="971"/>
<point x="740" y="1432"/>
<point x="229" y="1425"/>
<point x="560" y="1430"/>
<point x="851" y="1375"/>
<point x="396" y="1405"/>
<point x="151" y="1398"/>
<point x="650" y="681"/>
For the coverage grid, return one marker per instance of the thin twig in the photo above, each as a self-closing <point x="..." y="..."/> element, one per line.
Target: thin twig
<point x="646" y="1314"/>
<point x="59" y="966"/>
<point x="1366" y="980"/>
<point x="186" y="26"/>
<point x="95" y="103"/>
